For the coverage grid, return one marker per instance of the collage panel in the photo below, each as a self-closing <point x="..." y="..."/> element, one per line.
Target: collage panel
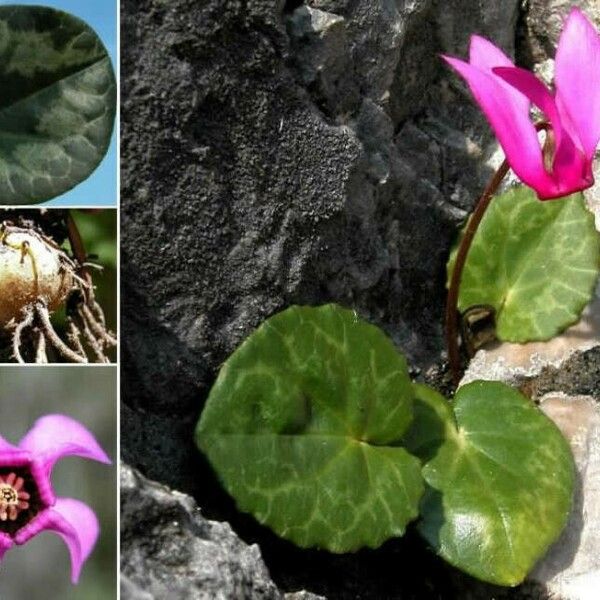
<point x="59" y="312"/>
<point x="58" y="285"/>
<point x="58" y="475"/>
<point x="58" y="142"/>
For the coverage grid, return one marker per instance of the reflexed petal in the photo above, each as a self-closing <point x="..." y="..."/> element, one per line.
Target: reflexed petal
<point x="510" y="122"/>
<point x="529" y="85"/>
<point x="55" y="436"/>
<point x="7" y="446"/>
<point x="6" y="544"/>
<point x="569" y="165"/>
<point x="577" y="78"/>
<point x="76" y="524"/>
<point x="484" y="55"/>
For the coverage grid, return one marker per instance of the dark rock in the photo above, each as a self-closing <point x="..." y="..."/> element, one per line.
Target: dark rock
<point x="247" y="189"/>
<point x="321" y="58"/>
<point x="168" y="550"/>
<point x="577" y="376"/>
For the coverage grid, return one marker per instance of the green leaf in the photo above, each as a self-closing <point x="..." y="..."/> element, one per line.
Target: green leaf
<point x="57" y="103"/>
<point x="303" y="427"/>
<point x="500" y="478"/>
<point x="535" y="262"/>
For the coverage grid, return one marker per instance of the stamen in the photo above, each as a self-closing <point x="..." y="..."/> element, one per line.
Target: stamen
<point x="549" y="151"/>
<point x="13" y="498"/>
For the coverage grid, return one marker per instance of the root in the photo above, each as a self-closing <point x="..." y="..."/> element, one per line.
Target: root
<point x="97" y="328"/>
<point x="98" y="313"/>
<point x="83" y="323"/>
<point x="41" y="357"/>
<point x="95" y="344"/>
<point x="74" y="337"/>
<point x="52" y="336"/>
<point x="19" y="328"/>
<point x="86" y="334"/>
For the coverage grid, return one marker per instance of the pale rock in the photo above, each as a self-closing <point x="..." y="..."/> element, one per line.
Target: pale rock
<point x="571" y="569"/>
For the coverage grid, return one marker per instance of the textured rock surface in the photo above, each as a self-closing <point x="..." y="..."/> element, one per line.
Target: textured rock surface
<point x="278" y="153"/>
<point x="170" y="551"/>
<point x="262" y="169"/>
<point x="513" y="362"/>
<point x="571" y="570"/>
<point x="543" y="24"/>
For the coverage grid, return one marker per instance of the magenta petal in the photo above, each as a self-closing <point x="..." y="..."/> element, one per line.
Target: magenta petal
<point x="485" y="56"/>
<point x="510" y="122"/>
<point x="76" y="524"/>
<point x="570" y="165"/>
<point x="55" y="436"/>
<point x="6" y="544"/>
<point x="8" y="451"/>
<point x="7" y="446"/>
<point x="577" y="78"/>
<point x="531" y="87"/>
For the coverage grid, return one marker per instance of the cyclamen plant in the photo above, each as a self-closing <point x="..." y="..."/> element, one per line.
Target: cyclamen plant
<point x="313" y="424"/>
<point x="505" y="93"/>
<point x="28" y="505"/>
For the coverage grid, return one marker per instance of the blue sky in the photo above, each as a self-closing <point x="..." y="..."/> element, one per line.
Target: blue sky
<point x="100" y="188"/>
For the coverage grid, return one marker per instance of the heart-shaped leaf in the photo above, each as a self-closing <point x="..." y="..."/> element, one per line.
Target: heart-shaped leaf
<point x="303" y="427"/>
<point x="535" y="262"/>
<point x="57" y="103"/>
<point x="501" y="479"/>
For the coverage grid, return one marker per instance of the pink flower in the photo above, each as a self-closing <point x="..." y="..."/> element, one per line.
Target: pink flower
<point x="28" y="505"/>
<point x="505" y="92"/>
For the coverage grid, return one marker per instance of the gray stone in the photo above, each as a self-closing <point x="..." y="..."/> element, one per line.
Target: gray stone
<point x="544" y="23"/>
<point x="169" y="550"/>
<point x="246" y="189"/>
<point x="321" y="57"/>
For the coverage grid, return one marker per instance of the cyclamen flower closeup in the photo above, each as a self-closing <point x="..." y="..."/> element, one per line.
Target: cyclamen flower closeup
<point x="505" y="93"/>
<point x="28" y="505"/>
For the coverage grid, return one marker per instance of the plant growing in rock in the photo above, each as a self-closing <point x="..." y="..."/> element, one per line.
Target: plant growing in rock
<point x="57" y="106"/>
<point x="39" y="276"/>
<point x="315" y="427"/>
<point x="534" y="264"/>
<point x="313" y="424"/>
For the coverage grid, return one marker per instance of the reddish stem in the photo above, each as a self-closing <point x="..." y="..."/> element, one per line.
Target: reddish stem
<point x="461" y="259"/>
<point x="80" y="254"/>
<point x="465" y="245"/>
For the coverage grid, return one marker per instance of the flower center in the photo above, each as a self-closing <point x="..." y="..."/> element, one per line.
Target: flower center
<point x="13" y="498"/>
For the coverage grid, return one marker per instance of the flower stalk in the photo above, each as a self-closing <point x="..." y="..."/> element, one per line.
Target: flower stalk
<point x="461" y="259"/>
<point x="465" y="244"/>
